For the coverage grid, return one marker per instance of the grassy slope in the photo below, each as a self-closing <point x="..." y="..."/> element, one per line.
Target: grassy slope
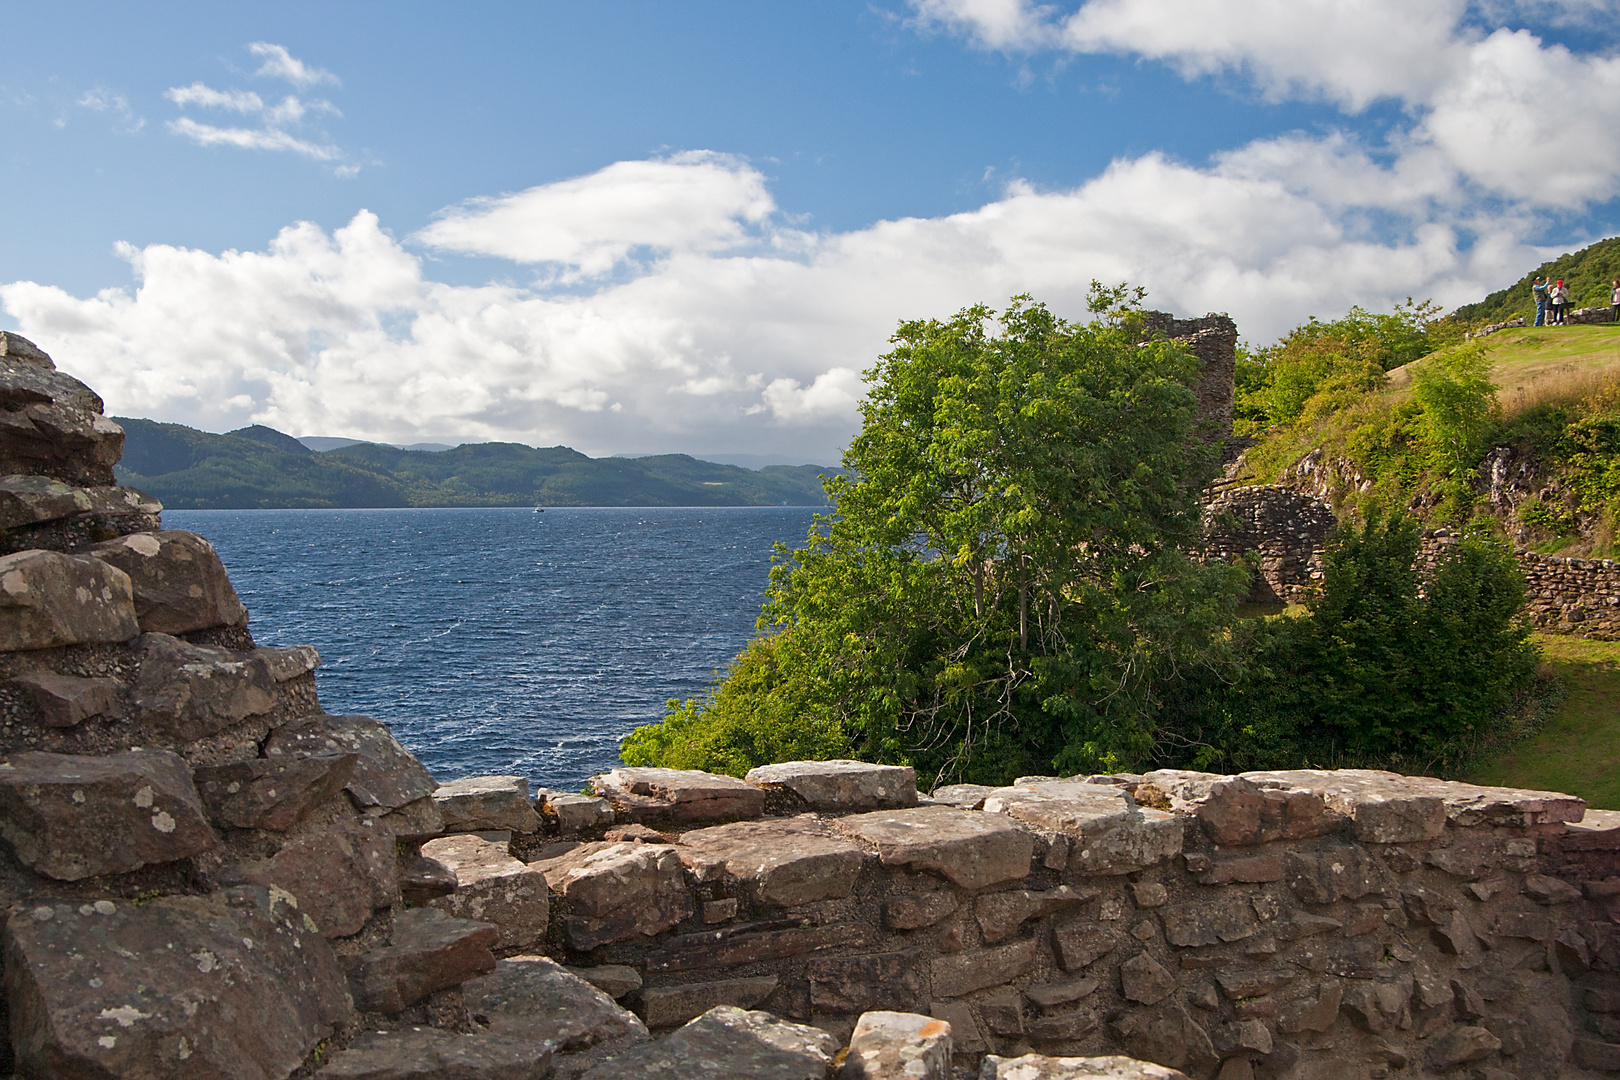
<point x="1587" y="272"/>
<point x="1578" y="749"/>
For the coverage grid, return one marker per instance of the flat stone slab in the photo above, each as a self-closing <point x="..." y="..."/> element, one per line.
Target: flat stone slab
<point x="387" y="776"/>
<point x="614" y="980"/>
<point x="972" y="849"/>
<point x="1241" y="810"/>
<point x="898" y="1046"/>
<point x="726" y="1043"/>
<point x="574" y="814"/>
<point x="961" y="796"/>
<point x="1383" y="807"/>
<point x="976" y="969"/>
<point x="493" y="887"/>
<point x="783" y="862"/>
<point x="666" y="1006"/>
<point x="1114" y="835"/>
<point x="339" y="875"/>
<point x="179" y="582"/>
<point x="64" y="701"/>
<point x="433" y="1054"/>
<point x="48" y="599"/>
<point x="1038" y="1067"/>
<point x="178" y="986"/>
<point x="679" y="796"/>
<point x="1468" y="804"/>
<point x="615" y="892"/>
<point x="184" y="692"/>
<point x="430" y="951"/>
<point x="480" y="803"/>
<point x="272" y="793"/>
<point x="840" y="786"/>
<point x="538" y="1001"/>
<point x="72" y="816"/>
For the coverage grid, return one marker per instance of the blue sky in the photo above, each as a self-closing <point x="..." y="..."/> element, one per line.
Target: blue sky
<point x="648" y="227"/>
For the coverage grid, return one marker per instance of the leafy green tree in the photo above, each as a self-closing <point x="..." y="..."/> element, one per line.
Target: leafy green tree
<point x="1002" y="586"/>
<point x="1458" y="399"/>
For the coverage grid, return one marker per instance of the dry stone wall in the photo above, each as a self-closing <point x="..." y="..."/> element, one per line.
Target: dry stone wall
<point x="1213" y="340"/>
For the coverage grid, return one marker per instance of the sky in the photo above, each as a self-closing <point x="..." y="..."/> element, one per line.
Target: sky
<point x="656" y="227"/>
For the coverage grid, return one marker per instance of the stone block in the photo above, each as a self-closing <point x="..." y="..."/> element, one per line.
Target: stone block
<point x="52" y="425"/>
<point x="913" y="911"/>
<point x="1544" y="889"/>
<point x="728" y="1042"/>
<point x="1383" y="807"/>
<point x="429" y="951"/>
<point x="1338" y="872"/>
<point x="966" y="972"/>
<point x="614" y="980"/>
<point x="1226" y="869"/>
<point x="1237" y="810"/>
<point x="965" y="1035"/>
<point x="1167" y="1034"/>
<point x="487" y="802"/>
<point x="179" y="582"/>
<point x="961" y="796"/>
<point x="186" y="692"/>
<point x="421" y="879"/>
<point x="1001" y="914"/>
<point x="64" y="701"/>
<point x="1144" y="979"/>
<point x="738" y="945"/>
<point x="840" y="787"/>
<point x="1039" y="1067"/>
<point x="782" y="862"/>
<point x="579" y="815"/>
<point x="666" y="1006"/>
<point x="898" y="1046"/>
<point x="30" y="500"/>
<point x="493" y="887"/>
<point x="338" y="875"/>
<point x="615" y="892"/>
<point x="853" y="984"/>
<point x="1317" y="1015"/>
<point x="1222" y="918"/>
<point x="48" y="599"/>
<point x="538" y="1001"/>
<point x="1109" y="833"/>
<point x="678" y="796"/>
<point x="271" y="793"/>
<point x="1469" y="804"/>
<point x="386" y="778"/>
<point x="431" y="1054"/>
<point x="176" y="987"/>
<point x="974" y="850"/>
<point x="1149" y="894"/>
<point x="71" y="816"/>
<point x="1082" y="943"/>
<point x="1461" y="1045"/>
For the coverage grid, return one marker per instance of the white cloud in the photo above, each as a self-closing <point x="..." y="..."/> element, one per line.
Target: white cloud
<point x="101" y="100"/>
<point x="274" y="119"/>
<point x="251" y="139"/>
<point x="280" y="64"/>
<point x="242" y="101"/>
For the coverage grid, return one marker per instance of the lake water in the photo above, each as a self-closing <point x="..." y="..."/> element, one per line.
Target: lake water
<point x="505" y="641"/>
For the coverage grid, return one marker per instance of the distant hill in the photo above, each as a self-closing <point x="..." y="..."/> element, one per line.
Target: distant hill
<point x="1587" y="272"/>
<point x="253" y="468"/>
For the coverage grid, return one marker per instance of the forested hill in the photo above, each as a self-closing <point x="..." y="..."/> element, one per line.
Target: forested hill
<point x="1587" y="272"/>
<point x="260" y="468"/>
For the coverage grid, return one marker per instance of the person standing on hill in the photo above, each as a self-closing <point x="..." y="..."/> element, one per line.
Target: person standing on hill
<point x="1559" y="294"/>
<point x="1538" y="290"/>
<point x="1614" y="301"/>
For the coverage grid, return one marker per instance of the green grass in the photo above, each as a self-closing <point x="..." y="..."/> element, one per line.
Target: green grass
<point x="1578" y="749"/>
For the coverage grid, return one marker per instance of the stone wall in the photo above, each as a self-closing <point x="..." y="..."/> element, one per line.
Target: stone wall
<point x="1213" y="340"/>
<point x="1580" y="597"/>
<point x="1284" y="530"/>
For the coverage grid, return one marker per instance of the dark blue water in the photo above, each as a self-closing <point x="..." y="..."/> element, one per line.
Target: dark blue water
<point x="505" y="641"/>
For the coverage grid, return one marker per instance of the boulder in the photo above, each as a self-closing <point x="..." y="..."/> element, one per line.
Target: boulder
<point x="65" y="701"/>
<point x="678" y="796"/>
<point x="386" y="778"/>
<point x="666" y="1006"/>
<point x="187" y="692"/>
<point x="533" y="999"/>
<point x="49" y="599"/>
<point x="782" y="862"/>
<point x="839" y="787"/>
<point x="51" y="424"/>
<point x="493" y="887"/>
<point x="219" y="986"/>
<point x="180" y="584"/>
<point x="486" y="803"/>
<point x="30" y="500"/>
<point x="973" y="850"/>
<point x="1109" y="833"/>
<point x="614" y="980"/>
<point x="19" y="350"/>
<point x="430" y="951"/>
<point x="898" y="1046"/>
<point x="338" y="874"/>
<point x="1037" y="1067"/>
<point x="724" y="1043"/>
<point x="271" y="793"/>
<point x="71" y="816"/>
<point x="615" y="892"/>
<point x="577" y="815"/>
<point x="432" y="1054"/>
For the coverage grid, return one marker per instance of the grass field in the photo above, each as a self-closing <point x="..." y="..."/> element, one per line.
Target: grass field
<point x="1535" y="365"/>
<point x="1578" y="748"/>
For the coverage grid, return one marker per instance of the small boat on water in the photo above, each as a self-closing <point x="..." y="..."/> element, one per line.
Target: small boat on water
<point x="539" y="509"/>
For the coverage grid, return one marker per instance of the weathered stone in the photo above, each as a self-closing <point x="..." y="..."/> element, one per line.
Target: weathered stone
<point x="176" y="987"/>
<point x="578" y="815"/>
<point x="36" y="500"/>
<point x="1167" y="1034"/>
<point x="898" y="1046"/>
<point x="727" y="1042"/>
<point x="1001" y="914"/>
<point x="271" y="793"/>
<point x="179" y="582"/>
<point x="1246" y="868"/>
<point x="961" y="796"/>
<point x="1149" y="894"/>
<point x="738" y="945"/>
<point x="493" y="887"/>
<point x="974" y="850"/>
<point x="71" y="816"/>
<point x="979" y="968"/>
<point x="535" y="1000"/>
<point x="1468" y="804"/>
<point x="1080" y="944"/>
<point x="432" y="1054"/>
<point x="480" y="803"/>
<point x="1051" y="995"/>
<point x="17" y="349"/>
<point x="666" y="1006"/>
<point x="1544" y="889"/>
<point x="64" y="701"/>
<point x="1037" y="1067"/>
<point x="1384" y="807"/>
<point x="782" y="862"/>
<point x="1461" y="1045"/>
<point x="48" y="599"/>
<point x="1339" y="872"/>
<point x="415" y="821"/>
<point x="965" y="1035"/>
<point x="1219" y="919"/>
<point x="387" y="777"/>
<point x="912" y="911"/>
<point x="613" y="892"/>
<point x="853" y="984"/>
<point x="635" y="832"/>
<point x="681" y="796"/>
<point x="186" y="692"/>
<point x="338" y="875"/>
<point x="1596" y="1054"/>
<point x="1109" y="833"/>
<point x="421" y="879"/>
<point x="429" y="951"/>
<point x="1144" y="979"/>
<point x="1317" y="1015"/>
<point x="1235" y="810"/>
<point x="840" y="787"/>
<point x="614" y="980"/>
<point x="1378" y="1007"/>
<point x="51" y="425"/>
<point x="719" y="911"/>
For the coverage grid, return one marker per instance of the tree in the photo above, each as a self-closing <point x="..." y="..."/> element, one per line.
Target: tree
<point x="1458" y="399"/>
<point x="1001" y="587"/>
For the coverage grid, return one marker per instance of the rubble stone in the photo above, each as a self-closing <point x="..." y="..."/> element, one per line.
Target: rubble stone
<point x="387" y="777"/>
<point x="180" y="585"/>
<point x="1236" y="810"/>
<point x="535" y="1000"/>
<point x="1114" y="835"/>
<point x="913" y="911"/>
<point x="727" y="1042"/>
<point x="966" y="972"/>
<point x="613" y="892"/>
<point x="1144" y="979"/>
<point x="783" y="862"/>
<point x="678" y="796"/>
<point x="1461" y="1045"/>
<point x="614" y="980"/>
<point x="49" y="599"/>
<point x="974" y="850"/>
<point x="480" y="803"/>
<point x="429" y="951"/>
<point x="493" y="887"/>
<point x="271" y="793"/>
<point x="64" y="701"/>
<point x="186" y="692"/>
<point x="666" y="1006"/>
<point x="898" y="1046"/>
<point x="1001" y="914"/>
<point x="421" y="879"/>
<point x="1037" y="1067"/>
<point x="576" y="815"/>
<point x="338" y="875"/>
<point x="840" y="786"/>
<point x="854" y="984"/>
<point x="432" y="1054"/>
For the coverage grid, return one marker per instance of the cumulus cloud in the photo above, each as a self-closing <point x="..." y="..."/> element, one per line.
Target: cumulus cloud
<point x="274" y="119"/>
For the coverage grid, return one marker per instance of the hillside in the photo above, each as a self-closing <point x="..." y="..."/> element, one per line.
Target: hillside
<point x="260" y="468"/>
<point x="1588" y="273"/>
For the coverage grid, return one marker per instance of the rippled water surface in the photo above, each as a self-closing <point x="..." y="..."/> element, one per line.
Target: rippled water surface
<point x="503" y="640"/>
